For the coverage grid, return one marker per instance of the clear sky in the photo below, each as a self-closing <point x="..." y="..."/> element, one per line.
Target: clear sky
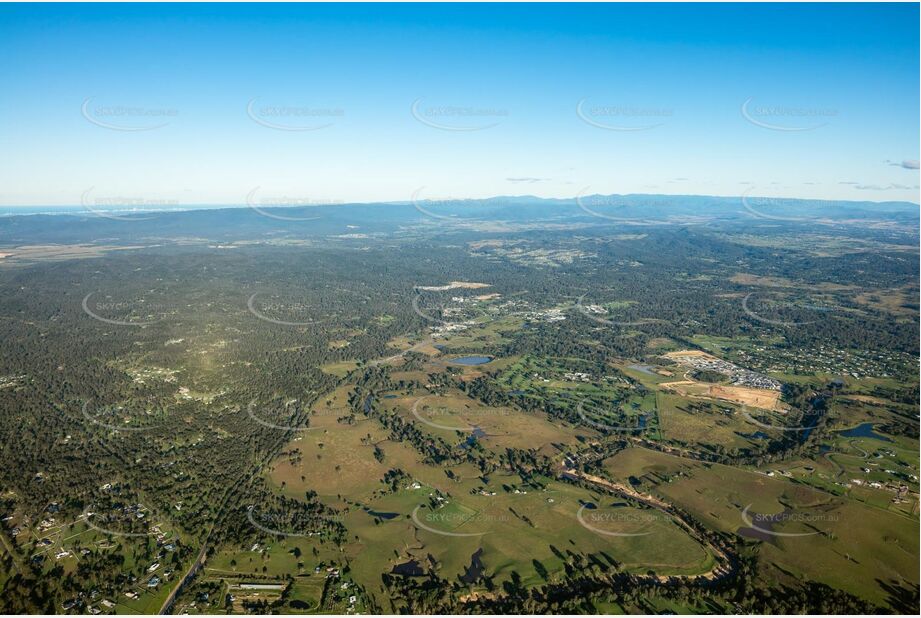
<point x="194" y="104"/>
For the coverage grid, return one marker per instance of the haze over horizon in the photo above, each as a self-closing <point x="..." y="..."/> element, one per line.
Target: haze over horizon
<point x="196" y="104"/>
<point x="123" y="203"/>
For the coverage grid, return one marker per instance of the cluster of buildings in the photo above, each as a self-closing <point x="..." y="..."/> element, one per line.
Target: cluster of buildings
<point x="450" y="327"/>
<point x="737" y="375"/>
<point x="547" y="315"/>
<point x="828" y="359"/>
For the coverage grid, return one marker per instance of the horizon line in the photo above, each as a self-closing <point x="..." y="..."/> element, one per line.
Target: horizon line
<point x="190" y="206"/>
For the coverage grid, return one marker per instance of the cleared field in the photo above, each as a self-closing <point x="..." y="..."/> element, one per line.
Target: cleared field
<point x="480" y="337"/>
<point x="519" y="530"/>
<point x="334" y="458"/>
<point x="528" y="534"/>
<point x="38" y="253"/>
<point x="454" y="417"/>
<point x="718" y="494"/>
<point x="899" y="301"/>
<point x="862" y="550"/>
<point x="678" y="354"/>
<point x="846" y="544"/>
<point x="687" y="420"/>
<point x="641" y="462"/>
<point x="754" y="397"/>
<point x="340" y="369"/>
<point x="455" y="285"/>
<point x="338" y="459"/>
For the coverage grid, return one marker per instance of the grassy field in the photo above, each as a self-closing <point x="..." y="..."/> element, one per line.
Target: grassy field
<point x="695" y="422"/>
<point x="828" y="529"/>
<point x="340" y="369"/>
<point x="836" y="540"/>
<point x="453" y="415"/>
<point x="338" y="459"/>
<point x="514" y="530"/>
<point x="521" y="530"/>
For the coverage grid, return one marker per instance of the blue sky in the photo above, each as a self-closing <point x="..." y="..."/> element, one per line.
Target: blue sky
<point x="797" y="100"/>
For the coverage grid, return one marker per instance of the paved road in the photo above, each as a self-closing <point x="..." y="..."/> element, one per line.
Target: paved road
<point x="189" y="575"/>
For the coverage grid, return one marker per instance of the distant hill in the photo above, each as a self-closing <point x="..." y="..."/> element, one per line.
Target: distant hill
<point x="248" y="222"/>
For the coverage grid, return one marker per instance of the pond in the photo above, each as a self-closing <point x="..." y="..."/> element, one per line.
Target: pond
<point x="476" y="433"/>
<point x="647" y="369"/>
<point x="864" y="430"/>
<point x="471" y="360"/>
<point x="412" y="568"/>
<point x="380" y="514"/>
<point x="474" y="572"/>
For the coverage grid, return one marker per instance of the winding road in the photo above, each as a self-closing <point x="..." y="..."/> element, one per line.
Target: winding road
<point x="725" y="563"/>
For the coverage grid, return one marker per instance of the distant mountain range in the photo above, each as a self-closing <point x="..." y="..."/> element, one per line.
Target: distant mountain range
<point x="93" y="224"/>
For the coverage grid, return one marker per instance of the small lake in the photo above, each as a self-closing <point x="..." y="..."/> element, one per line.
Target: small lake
<point x="380" y="514"/>
<point x="647" y="369"/>
<point x="864" y="430"/>
<point x="412" y="568"/>
<point x="474" y="572"/>
<point x="471" y="360"/>
<point x="474" y="435"/>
